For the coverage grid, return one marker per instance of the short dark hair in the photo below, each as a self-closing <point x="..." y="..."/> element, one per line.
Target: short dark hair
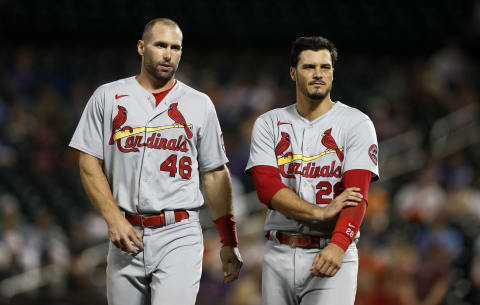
<point x="314" y="43"/>
<point x="151" y="23"/>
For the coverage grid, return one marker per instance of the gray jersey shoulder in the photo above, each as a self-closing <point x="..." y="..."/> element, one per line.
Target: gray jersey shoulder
<point x="350" y="115"/>
<point x="100" y="94"/>
<point x="113" y="86"/>
<point x="194" y="93"/>
<point x="273" y="116"/>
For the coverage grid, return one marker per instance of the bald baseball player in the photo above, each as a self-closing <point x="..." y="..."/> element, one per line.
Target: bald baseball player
<point x="312" y="163"/>
<point x="145" y="144"/>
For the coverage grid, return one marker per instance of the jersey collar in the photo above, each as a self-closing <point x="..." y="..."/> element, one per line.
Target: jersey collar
<point x="320" y="118"/>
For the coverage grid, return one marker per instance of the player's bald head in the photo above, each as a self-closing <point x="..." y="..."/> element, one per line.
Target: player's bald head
<point x="147" y="31"/>
<point x="314" y="43"/>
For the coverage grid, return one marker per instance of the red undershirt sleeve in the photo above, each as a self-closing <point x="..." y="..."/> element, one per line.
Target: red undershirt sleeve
<point x="267" y="182"/>
<point x="351" y="218"/>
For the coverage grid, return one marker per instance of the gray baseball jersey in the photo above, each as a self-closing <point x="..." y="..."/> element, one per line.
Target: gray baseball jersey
<point x="152" y="154"/>
<point x="312" y="156"/>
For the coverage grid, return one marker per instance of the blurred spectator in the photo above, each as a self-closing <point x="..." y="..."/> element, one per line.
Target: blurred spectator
<point x="420" y="200"/>
<point x="12" y="243"/>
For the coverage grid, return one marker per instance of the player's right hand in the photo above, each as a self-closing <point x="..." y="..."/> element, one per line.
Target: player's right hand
<point x="124" y="236"/>
<point x="349" y="197"/>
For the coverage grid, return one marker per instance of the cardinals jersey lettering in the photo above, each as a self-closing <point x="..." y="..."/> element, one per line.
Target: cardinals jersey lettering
<point x="312" y="156"/>
<point x="152" y="154"/>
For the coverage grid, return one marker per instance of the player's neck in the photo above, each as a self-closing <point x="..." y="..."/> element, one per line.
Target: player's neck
<point x="154" y="85"/>
<point x="312" y="109"/>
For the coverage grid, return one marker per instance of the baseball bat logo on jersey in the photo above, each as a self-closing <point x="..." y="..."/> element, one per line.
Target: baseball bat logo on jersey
<point x="178" y="118"/>
<point x="329" y="142"/>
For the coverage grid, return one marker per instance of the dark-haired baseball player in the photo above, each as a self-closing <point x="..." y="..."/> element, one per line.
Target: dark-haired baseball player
<point x="312" y="163"/>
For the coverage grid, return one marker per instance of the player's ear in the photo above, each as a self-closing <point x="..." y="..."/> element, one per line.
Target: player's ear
<point x="293" y="73"/>
<point x="140" y="47"/>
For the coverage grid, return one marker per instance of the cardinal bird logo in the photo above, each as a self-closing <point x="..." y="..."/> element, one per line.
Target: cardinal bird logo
<point x="118" y="121"/>
<point x="329" y="142"/>
<point x="283" y="145"/>
<point x="177" y="116"/>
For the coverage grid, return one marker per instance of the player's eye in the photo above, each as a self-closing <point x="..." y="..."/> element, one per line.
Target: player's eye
<point x="161" y="45"/>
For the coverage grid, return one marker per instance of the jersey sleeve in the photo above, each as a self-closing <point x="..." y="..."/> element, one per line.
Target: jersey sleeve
<point x="211" y="148"/>
<point x="88" y="136"/>
<point x="362" y="149"/>
<point x="262" y="147"/>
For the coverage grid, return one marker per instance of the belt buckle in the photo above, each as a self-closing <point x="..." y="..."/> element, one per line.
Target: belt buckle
<point x="293" y="240"/>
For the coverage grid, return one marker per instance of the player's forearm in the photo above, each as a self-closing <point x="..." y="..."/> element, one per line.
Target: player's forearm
<point x="291" y="205"/>
<point x="217" y="186"/>
<point x="97" y="188"/>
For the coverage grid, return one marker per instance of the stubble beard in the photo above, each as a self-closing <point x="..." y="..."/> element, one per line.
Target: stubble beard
<point x="158" y="75"/>
<point x="317" y="96"/>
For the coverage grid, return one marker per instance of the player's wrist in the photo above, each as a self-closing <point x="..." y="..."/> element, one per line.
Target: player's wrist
<point x="227" y="228"/>
<point x="113" y="217"/>
<point x="318" y="213"/>
<point x="340" y="240"/>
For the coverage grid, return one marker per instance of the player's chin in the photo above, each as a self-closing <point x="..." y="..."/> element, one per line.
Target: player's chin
<point x="317" y="95"/>
<point x="162" y="75"/>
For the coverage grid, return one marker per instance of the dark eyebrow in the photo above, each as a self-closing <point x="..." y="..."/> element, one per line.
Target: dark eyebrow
<point x="308" y="65"/>
<point x="160" y="43"/>
<point x="163" y="43"/>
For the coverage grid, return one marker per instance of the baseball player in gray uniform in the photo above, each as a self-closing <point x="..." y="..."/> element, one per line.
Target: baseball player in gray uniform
<point x="144" y="143"/>
<point x="312" y="163"/>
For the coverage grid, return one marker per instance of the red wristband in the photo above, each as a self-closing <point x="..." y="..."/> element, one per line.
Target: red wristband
<point x="227" y="227"/>
<point x="344" y="233"/>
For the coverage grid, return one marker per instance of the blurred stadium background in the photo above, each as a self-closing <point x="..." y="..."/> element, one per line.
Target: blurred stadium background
<point x="412" y="66"/>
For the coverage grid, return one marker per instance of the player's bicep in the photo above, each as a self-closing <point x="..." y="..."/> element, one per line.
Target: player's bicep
<point x="358" y="178"/>
<point x="262" y="147"/>
<point x="87" y="161"/>
<point x="267" y="182"/>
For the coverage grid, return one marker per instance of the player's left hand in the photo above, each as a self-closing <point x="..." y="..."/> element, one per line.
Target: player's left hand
<point x="230" y="256"/>
<point x="328" y="261"/>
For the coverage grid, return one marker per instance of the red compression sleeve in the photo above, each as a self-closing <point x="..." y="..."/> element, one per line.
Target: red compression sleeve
<point x="227" y="228"/>
<point x="267" y="182"/>
<point x="351" y="218"/>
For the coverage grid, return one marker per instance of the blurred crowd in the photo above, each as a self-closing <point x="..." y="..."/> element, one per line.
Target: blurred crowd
<point x="420" y="241"/>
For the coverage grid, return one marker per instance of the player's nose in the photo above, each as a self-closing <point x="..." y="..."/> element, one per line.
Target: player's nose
<point x="167" y="54"/>
<point x="317" y="73"/>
